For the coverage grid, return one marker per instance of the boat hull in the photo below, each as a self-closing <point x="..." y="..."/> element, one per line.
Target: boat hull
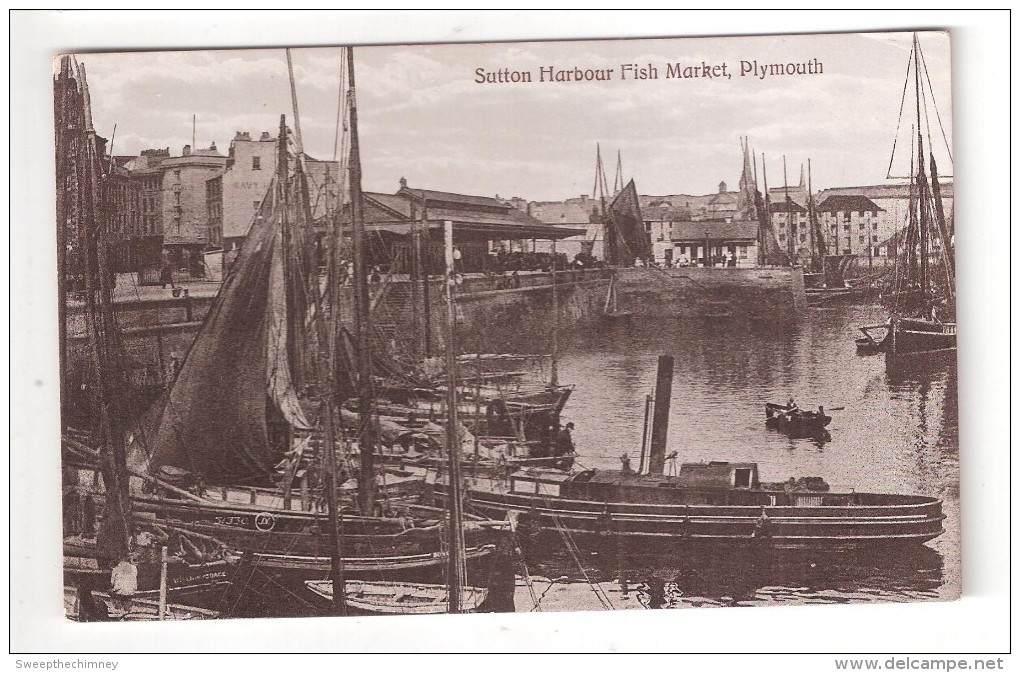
<point x="910" y="337"/>
<point x="274" y="585"/>
<point x="829" y="527"/>
<point x="399" y="598"/>
<point x="794" y="420"/>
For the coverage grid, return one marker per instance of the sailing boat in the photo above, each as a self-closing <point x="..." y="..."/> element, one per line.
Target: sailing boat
<point x="923" y="302"/>
<point x="424" y="598"/>
<point x="235" y="449"/>
<point x="100" y="532"/>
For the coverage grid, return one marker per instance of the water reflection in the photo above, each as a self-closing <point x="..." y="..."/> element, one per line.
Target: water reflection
<point x="686" y="578"/>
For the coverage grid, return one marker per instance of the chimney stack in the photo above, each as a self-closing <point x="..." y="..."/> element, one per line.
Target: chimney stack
<point x="660" y="419"/>
<point x="187" y="151"/>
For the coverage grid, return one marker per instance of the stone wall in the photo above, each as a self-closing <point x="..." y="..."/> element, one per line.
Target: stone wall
<point x="773" y="295"/>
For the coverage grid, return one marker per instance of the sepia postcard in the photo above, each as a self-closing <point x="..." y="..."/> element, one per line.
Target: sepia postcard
<point x="507" y="327"/>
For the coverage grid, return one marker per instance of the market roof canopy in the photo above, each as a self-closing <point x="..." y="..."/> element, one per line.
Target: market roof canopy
<point x="481" y="227"/>
<point x="475" y="216"/>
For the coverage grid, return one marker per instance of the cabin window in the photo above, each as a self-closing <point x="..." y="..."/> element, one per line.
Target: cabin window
<point x="742" y="477"/>
<point x="548" y="489"/>
<point x="523" y="486"/>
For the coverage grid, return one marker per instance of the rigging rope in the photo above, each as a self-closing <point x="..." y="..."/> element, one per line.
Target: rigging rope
<point x="899" y="117"/>
<point x="575" y="553"/>
<point x="924" y="64"/>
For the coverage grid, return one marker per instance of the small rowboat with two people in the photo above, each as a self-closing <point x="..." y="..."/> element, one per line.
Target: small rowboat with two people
<point x="791" y="418"/>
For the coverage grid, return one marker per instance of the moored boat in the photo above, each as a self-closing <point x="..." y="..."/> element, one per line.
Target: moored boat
<point x="715" y="503"/>
<point x="704" y="504"/>
<point x="84" y="605"/>
<point x="922" y="303"/>
<point x="401" y="598"/>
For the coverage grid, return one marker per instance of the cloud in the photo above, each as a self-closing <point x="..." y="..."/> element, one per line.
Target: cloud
<point x="422" y="114"/>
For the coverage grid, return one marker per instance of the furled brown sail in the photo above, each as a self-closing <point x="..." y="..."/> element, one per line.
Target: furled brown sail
<point x="214" y="418"/>
<point x="627" y="236"/>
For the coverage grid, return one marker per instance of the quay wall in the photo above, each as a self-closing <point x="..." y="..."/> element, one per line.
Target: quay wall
<point x="157" y="331"/>
<point x="767" y="294"/>
<point x="494" y="314"/>
<point x="492" y="317"/>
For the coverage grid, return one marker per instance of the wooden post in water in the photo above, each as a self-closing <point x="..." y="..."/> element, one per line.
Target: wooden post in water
<point x="660" y="418"/>
<point x="162" y="583"/>
<point x="644" y="436"/>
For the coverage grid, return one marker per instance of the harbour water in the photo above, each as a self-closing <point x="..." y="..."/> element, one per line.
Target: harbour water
<point x="895" y="434"/>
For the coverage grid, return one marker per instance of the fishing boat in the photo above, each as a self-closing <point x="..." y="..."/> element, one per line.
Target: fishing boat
<point x="245" y="445"/>
<point x="100" y="532"/>
<point x="792" y="418"/>
<point x="82" y="604"/>
<point x="401" y="598"/>
<point x="703" y="504"/>
<point x="922" y="304"/>
<point x="425" y="598"/>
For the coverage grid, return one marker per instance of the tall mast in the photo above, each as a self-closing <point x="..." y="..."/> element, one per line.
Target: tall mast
<point x="366" y="439"/>
<point x="922" y="181"/>
<point x="789" y="214"/>
<point x="766" y="208"/>
<point x="814" y="232"/>
<point x="810" y="216"/>
<point x="110" y="389"/>
<point x="618" y="179"/>
<point x="453" y="431"/>
<point x="553" y="374"/>
<point x="325" y="372"/>
<point x="608" y="245"/>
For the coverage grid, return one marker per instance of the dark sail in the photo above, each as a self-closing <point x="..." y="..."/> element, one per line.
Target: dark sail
<point x="214" y="418"/>
<point x="772" y="252"/>
<point x="627" y="230"/>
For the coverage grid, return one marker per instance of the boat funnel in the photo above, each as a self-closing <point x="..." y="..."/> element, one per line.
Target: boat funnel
<point x="660" y="418"/>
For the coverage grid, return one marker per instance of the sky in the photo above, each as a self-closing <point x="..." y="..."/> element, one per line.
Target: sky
<point x="423" y="116"/>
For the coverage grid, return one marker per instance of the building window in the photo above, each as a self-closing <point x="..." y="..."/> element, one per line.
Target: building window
<point x="860" y="240"/>
<point x="803" y="238"/>
<point x="256" y="163"/>
<point x="861" y="213"/>
<point x="782" y="237"/>
<point x="255" y="205"/>
<point x="875" y="226"/>
<point x="846" y="227"/>
<point x="177" y="176"/>
<point x="874" y="239"/>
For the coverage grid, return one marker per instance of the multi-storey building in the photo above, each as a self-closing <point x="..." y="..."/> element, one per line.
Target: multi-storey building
<point x="790" y="223"/>
<point x="249" y="170"/>
<point x="893" y="202"/>
<point x="851" y="225"/>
